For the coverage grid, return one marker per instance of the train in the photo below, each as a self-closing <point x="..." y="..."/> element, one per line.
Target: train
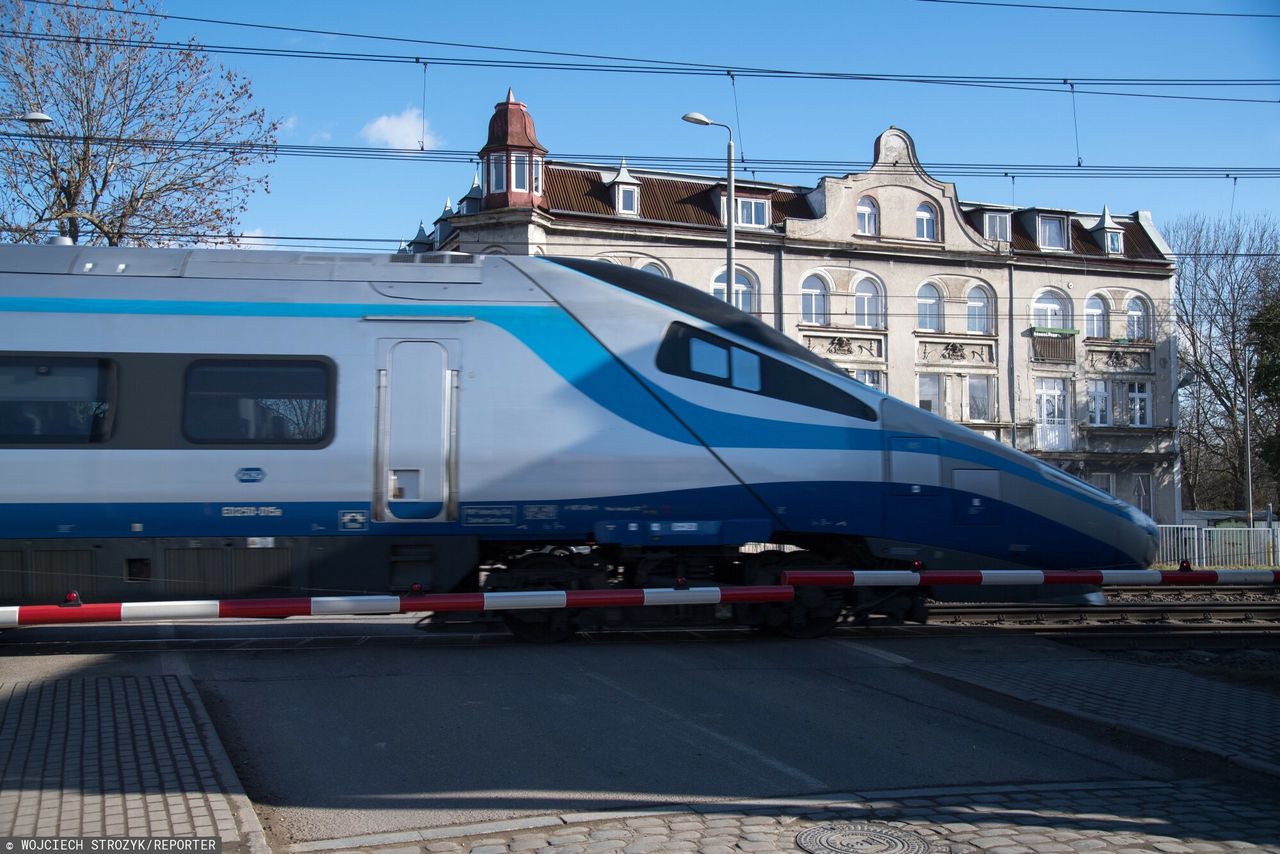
<point x="194" y="423"/>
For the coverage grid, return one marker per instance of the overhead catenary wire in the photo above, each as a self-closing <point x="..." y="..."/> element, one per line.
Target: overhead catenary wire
<point x="1021" y="84"/>
<point x="1053" y="7"/>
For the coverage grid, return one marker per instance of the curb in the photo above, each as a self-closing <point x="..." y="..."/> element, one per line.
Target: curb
<point x="251" y="832"/>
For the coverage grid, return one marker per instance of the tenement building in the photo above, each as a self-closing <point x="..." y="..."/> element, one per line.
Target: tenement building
<point x="1044" y="328"/>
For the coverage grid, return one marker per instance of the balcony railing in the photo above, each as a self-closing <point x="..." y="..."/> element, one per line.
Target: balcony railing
<point x="1053" y="345"/>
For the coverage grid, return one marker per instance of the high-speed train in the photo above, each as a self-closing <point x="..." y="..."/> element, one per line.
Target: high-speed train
<point x="195" y="423"/>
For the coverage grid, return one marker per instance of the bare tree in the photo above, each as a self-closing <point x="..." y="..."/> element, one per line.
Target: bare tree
<point x="1225" y="273"/>
<point x="151" y="143"/>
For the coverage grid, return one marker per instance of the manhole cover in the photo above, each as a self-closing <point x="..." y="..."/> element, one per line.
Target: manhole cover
<point x="860" y="838"/>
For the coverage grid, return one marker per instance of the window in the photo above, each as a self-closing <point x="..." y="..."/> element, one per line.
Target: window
<point x="56" y="399"/>
<point x="929" y="392"/>
<point x="520" y="171"/>
<point x="753" y="212"/>
<point x="1137" y="327"/>
<point x="1139" y="404"/>
<point x="656" y="269"/>
<point x="995" y="226"/>
<point x="813" y="301"/>
<point x="628" y="200"/>
<point x="1104" y="481"/>
<point x="866" y="305"/>
<point x="875" y="379"/>
<point x="537" y="175"/>
<point x="258" y="401"/>
<point x="1051" y="310"/>
<point x="929" y="308"/>
<point x="1052" y="431"/>
<point x="979" y="310"/>
<point x="1099" y="403"/>
<point x="744" y="291"/>
<point x="497" y="173"/>
<point x="926" y="222"/>
<point x="868" y="216"/>
<point x="1053" y="232"/>
<point x="981" y="398"/>
<point x="1096" y="321"/>
<point x="1142" y="493"/>
<point x="1115" y="243"/>
<point x="706" y="357"/>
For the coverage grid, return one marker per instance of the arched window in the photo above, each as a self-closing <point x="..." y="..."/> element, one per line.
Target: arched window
<point x="813" y="301"/>
<point x="868" y="216"/>
<point x="979" y="310"/>
<point x="929" y="308"/>
<point x="1138" y="325"/>
<point x="656" y="269"/>
<point x="867" y="305"/>
<point x="1096" y="321"/>
<point x="926" y="222"/>
<point x="744" y="290"/>
<point x="1052" y="310"/>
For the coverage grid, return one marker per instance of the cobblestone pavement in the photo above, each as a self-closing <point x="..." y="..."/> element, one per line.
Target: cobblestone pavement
<point x="1197" y="817"/>
<point x="117" y="756"/>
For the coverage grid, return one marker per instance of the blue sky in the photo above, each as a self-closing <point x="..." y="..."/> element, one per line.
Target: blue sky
<point x="634" y="115"/>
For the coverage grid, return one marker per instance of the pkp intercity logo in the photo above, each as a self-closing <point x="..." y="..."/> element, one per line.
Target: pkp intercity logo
<point x="251" y="475"/>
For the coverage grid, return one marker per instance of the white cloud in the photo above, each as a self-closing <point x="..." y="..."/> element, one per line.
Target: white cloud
<point x="288" y="124"/>
<point x="255" y="238"/>
<point x="402" y="131"/>
<point x="319" y="137"/>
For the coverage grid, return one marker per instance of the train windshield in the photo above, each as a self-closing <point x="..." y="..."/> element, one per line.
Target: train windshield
<point x="701" y="305"/>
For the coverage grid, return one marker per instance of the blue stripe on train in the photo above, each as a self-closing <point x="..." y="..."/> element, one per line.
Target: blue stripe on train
<point x="941" y="520"/>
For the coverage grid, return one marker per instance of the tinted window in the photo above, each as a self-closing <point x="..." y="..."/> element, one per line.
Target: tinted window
<point x="257" y="402"/>
<point x="56" y="399"/>
<point x="700" y="355"/>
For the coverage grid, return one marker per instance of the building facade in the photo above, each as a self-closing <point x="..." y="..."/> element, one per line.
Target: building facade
<point x="1044" y="328"/>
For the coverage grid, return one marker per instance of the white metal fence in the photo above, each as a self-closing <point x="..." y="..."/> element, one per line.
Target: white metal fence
<point x="1225" y="547"/>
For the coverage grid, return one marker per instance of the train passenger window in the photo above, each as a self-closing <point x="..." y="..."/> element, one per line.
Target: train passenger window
<point x="701" y="355"/>
<point x="746" y="370"/>
<point x="56" y="399"/>
<point x="709" y="359"/>
<point x="258" y="401"/>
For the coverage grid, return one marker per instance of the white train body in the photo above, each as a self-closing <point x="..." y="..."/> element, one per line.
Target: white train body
<point x="199" y="422"/>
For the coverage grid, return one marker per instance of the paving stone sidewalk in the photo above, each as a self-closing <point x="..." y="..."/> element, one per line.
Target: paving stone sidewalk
<point x="118" y="756"/>
<point x="1139" y="817"/>
<point x="1162" y="703"/>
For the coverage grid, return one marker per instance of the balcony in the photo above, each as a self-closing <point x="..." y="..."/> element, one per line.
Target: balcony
<point x="1057" y="346"/>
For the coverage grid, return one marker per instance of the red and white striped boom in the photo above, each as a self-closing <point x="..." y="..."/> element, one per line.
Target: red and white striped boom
<point x="75" y="611"/>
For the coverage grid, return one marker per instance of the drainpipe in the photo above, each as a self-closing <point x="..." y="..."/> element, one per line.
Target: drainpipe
<point x="1013" y="368"/>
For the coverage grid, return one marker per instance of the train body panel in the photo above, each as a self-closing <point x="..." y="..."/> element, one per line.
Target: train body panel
<point x="422" y="414"/>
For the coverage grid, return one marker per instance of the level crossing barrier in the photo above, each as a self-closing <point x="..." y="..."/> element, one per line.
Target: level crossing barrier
<point x="75" y="611"/>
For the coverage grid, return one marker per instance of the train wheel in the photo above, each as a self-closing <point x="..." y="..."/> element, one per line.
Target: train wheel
<point x="540" y="571"/>
<point x="815" y="611"/>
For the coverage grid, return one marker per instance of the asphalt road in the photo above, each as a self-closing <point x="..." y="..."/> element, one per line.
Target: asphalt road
<point x="368" y="737"/>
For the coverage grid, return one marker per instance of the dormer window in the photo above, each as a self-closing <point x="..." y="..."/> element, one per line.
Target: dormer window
<point x="1115" y="243"/>
<point x="537" y="175"/>
<point x="753" y="213"/>
<point x="1053" y="232"/>
<point x="995" y="226"/>
<point x="628" y="201"/>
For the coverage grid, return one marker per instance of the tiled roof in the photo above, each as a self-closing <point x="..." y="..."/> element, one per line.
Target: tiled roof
<point x="676" y="200"/>
<point x="1137" y="243"/>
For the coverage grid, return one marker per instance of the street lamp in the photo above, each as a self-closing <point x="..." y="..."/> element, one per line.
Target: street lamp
<point x="730" y="271"/>
<point x="31" y="117"/>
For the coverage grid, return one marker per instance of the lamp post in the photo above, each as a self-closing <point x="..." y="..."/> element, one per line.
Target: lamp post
<point x="730" y="271"/>
<point x="1248" y="444"/>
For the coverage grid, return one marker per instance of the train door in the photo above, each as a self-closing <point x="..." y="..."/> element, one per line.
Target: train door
<point x="416" y="462"/>
<point x="914" y="490"/>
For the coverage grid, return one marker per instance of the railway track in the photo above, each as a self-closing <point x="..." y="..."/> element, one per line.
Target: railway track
<point x="1124" y="625"/>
